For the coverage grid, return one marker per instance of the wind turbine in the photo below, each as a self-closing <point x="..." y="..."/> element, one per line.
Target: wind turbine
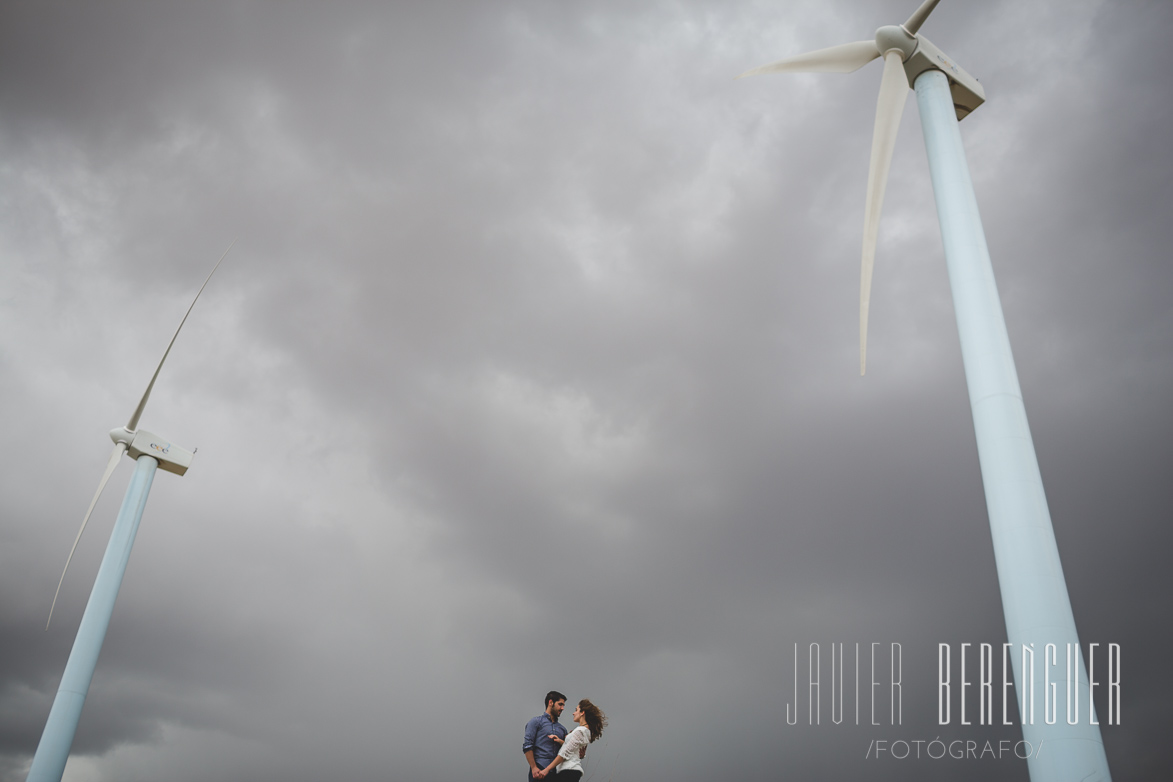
<point x="1030" y="576"/>
<point x="150" y="452"/>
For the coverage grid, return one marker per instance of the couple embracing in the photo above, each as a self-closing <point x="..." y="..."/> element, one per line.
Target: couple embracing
<point x="550" y="752"/>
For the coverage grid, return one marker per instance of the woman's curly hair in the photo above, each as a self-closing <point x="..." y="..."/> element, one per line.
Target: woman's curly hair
<point x="595" y="718"/>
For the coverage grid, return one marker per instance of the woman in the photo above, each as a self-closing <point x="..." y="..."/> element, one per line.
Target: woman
<point x="568" y="762"/>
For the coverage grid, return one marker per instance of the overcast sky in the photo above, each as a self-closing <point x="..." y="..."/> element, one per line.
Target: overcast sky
<point x="535" y="365"/>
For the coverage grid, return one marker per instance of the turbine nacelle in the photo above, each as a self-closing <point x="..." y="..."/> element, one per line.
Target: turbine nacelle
<point x="171" y="457"/>
<point x="967" y="91"/>
<point x="919" y="54"/>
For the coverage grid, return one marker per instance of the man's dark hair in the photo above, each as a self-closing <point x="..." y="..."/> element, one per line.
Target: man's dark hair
<point x="553" y="695"/>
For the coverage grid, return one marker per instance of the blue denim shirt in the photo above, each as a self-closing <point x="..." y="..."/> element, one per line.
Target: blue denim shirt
<point x="537" y="738"/>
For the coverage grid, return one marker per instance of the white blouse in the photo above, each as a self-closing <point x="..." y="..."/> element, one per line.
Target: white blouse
<point x="577" y="739"/>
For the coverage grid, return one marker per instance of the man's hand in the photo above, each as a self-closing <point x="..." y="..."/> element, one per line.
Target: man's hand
<point x="537" y="773"/>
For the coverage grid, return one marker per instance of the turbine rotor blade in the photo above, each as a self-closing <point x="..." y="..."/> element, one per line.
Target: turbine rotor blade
<point x="844" y="58"/>
<point x="920" y="15"/>
<point x="889" y="107"/>
<point x="138" y="411"/>
<point x="119" y="449"/>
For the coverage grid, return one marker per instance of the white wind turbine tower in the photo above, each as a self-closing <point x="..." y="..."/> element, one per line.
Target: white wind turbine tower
<point x="150" y="452"/>
<point x="1034" y="592"/>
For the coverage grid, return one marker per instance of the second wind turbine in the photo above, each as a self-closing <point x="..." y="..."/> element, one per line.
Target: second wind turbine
<point x="150" y="452"/>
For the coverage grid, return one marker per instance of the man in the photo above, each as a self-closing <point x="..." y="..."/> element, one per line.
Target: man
<point x="543" y="737"/>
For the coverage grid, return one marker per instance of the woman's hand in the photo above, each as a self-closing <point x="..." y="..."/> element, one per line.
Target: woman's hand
<point x="555" y="737"/>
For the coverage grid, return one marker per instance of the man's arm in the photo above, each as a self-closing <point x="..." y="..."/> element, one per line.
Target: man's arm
<point x="533" y="766"/>
<point x="527" y="745"/>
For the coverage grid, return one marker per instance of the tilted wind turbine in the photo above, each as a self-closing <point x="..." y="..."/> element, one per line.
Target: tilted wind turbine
<point x="150" y="452"/>
<point x="1030" y="576"/>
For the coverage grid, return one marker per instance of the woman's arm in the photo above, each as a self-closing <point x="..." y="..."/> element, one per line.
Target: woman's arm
<point x="553" y="764"/>
<point x="576" y="744"/>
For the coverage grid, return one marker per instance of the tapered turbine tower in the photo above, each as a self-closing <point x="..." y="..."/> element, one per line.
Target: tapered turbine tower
<point x="1034" y="592"/>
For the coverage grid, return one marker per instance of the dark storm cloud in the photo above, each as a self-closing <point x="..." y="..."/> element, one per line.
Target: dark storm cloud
<point x="534" y="366"/>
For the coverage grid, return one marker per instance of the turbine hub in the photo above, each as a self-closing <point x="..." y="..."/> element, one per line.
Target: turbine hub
<point x="121" y="435"/>
<point x="894" y="36"/>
